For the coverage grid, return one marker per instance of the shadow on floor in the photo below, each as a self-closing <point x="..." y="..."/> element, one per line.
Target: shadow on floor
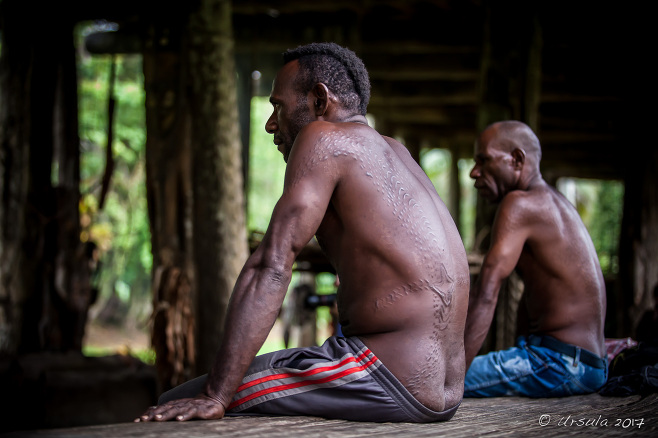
<point x="49" y="390"/>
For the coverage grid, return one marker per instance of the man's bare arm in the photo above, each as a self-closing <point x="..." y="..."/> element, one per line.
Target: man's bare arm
<point x="507" y="239"/>
<point x="261" y="286"/>
<point x="254" y="304"/>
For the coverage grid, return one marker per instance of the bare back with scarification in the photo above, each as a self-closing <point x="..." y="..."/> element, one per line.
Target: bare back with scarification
<point x="401" y="262"/>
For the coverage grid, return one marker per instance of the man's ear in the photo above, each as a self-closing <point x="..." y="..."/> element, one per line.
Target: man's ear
<point x="320" y="99"/>
<point x="519" y="158"/>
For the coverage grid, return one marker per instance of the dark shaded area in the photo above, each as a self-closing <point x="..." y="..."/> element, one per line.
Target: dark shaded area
<point x="51" y="390"/>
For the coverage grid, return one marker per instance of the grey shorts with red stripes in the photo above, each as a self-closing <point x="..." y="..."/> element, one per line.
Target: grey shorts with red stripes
<point x="341" y="379"/>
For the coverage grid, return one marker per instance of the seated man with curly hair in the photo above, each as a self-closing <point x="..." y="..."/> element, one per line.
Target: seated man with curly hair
<point x="404" y="276"/>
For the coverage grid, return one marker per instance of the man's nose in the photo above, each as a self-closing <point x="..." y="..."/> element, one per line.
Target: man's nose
<point x="475" y="172"/>
<point x="270" y="125"/>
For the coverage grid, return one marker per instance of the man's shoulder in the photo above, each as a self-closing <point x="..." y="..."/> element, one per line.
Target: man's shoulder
<point x="535" y="207"/>
<point x="336" y="136"/>
<point x="314" y="129"/>
<point x="532" y="197"/>
<point x="524" y="205"/>
<point x="331" y="143"/>
<point x="521" y="199"/>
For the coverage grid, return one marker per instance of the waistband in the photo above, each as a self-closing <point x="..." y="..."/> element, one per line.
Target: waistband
<point x="585" y="356"/>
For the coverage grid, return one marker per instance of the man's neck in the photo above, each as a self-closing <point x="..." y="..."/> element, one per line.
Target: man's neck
<point x="533" y="181"/>
<point x="352" y="118"/>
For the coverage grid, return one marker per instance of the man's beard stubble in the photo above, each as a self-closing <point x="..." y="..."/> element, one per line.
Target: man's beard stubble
<point x="300" y="118"/>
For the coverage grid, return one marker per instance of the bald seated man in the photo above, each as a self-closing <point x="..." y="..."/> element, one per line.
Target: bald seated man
<point x="537" y="231"/>
<point x="403" y="271"/>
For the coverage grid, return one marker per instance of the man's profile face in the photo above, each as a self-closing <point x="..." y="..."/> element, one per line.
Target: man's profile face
<point x="290" y="110"/>
<point x="493" y="171"/>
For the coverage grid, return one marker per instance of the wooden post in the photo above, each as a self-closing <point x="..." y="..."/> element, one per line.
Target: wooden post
<point x="168" y="189"/>
<point x="638" y="247"/>
<point x="45" y="289"/>
<point x="509" y="89"/>
<point x="218" y="220"/>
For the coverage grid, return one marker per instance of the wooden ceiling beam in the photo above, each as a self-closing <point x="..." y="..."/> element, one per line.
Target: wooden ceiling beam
<point x="410" y="46"/>
<point x="396" y="100"/>
<point x="428" y="115"/>
<point x="414" y="74"/>
<point x="561" y="97"/>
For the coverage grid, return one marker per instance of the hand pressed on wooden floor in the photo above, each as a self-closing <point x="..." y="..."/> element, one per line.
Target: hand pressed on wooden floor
<point x="202" y="407"/>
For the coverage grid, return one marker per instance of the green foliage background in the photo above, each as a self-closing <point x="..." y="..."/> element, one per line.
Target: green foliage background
<point x="121" y="228"/>
<point x="600" y="205"/>
<point x="437" y="165"/>
<point x="266" y="168"/>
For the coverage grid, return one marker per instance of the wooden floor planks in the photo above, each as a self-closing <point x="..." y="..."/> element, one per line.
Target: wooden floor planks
<point x="493" y="417"/>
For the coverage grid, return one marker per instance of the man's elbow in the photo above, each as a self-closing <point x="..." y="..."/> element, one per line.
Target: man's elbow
<point x="487" y="285"/>
<point x="277" y="269"/>
<point x="279" y="275"/>
<point x="489" y="297"/>
<point x="485" y="294"/>
<point x="275" y="265"/>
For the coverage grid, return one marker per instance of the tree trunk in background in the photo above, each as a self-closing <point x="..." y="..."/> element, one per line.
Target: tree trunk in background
<point x="220" y="241"/>
<point x="168" y="187"/>
<point x="194" y="185"/>
<point x="15" y="67"/>
<point x="72" y="271"/>
<point x="45" y="289"/>
<point x="638" y="246"/>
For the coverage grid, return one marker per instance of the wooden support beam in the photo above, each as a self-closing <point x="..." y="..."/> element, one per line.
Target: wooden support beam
<point x="509" y="90"/>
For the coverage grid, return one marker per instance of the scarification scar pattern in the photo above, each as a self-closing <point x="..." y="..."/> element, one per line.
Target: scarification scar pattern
<point x="395" y="191"/>
<point x="390" y="183"/>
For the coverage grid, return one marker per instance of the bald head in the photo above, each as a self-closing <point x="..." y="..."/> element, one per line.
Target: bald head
<point x="507" y="156"/>
<point x="512" y="134"/>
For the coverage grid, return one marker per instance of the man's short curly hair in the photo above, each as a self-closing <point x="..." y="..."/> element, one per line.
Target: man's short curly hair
<point x="338" y="68"/>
